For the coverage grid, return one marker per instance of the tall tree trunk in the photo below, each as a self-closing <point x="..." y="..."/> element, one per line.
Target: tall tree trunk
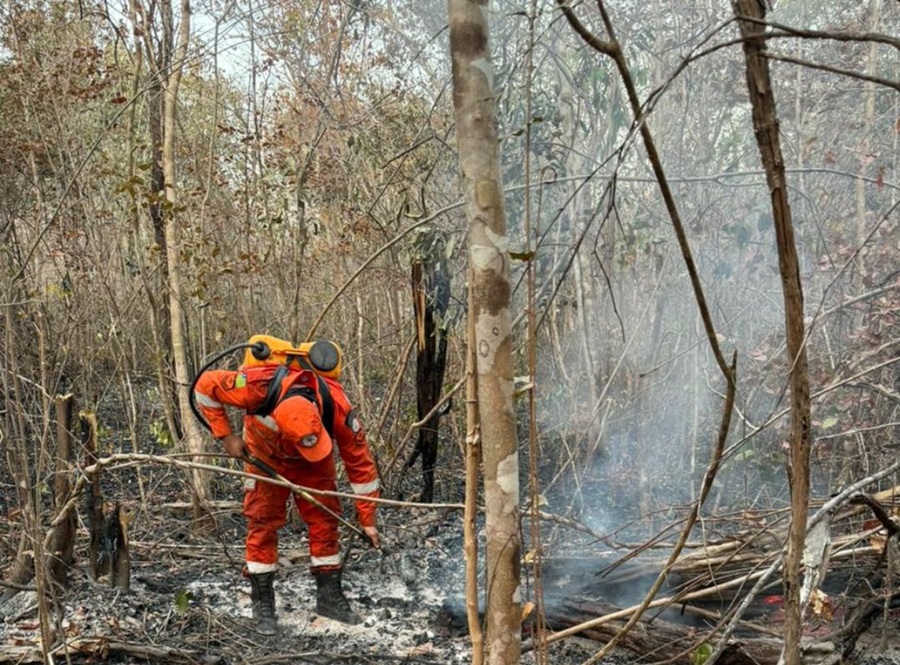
<point x="192" y="434"/>
<point x="489" y="291"/>
<point x="765" y="125"/>
<point x="159" y="313"/>
<point x="154" y="282"/>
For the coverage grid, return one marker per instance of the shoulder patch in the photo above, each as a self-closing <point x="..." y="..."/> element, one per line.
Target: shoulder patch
<point x="354" y="425"/>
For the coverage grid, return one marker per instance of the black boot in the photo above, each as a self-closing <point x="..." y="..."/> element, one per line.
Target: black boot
<point x="330" y="599"/>
<point x="262" y="593"/>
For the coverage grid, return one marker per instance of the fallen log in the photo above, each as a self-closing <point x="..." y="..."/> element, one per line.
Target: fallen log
<point x="102" y="649"/>
<point x="656" y="639"/>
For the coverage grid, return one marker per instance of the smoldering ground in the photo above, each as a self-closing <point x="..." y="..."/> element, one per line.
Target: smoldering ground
<point x="189" y="603"/>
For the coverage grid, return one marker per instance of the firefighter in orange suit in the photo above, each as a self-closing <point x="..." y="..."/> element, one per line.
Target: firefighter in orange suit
<point x="295" y="441"/>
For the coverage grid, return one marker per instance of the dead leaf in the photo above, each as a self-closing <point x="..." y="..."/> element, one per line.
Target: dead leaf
<point x="527" y="609"/>
<point x="821" y="605"/>
<point x="877" y="542"/>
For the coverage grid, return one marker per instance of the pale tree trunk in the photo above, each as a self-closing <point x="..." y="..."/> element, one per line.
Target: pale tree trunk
<point x="156" y="313"/>
<point x="489" y="293"/>
<point x="765" y="125"/>
<point x="192" y="434"/>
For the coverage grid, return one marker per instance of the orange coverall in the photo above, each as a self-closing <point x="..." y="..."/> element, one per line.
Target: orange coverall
<point x="276" y="440"/>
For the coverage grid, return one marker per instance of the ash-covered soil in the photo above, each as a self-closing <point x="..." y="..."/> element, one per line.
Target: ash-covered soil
<point x="189" y="603"/>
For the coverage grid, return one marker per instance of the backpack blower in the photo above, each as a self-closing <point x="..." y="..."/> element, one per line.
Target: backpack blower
<point x="322" y="357"/>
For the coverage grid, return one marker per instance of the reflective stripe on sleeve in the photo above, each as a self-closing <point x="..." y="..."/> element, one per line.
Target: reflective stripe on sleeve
<point x="268" y="422"/>
<point x="207" y="401"/>
<point x="333" y="560"/>
<point x="365" y="488"/>
<point x="254" y="567"/>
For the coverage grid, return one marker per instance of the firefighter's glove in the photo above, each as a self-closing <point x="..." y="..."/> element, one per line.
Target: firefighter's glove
<point x="233" y="445"/>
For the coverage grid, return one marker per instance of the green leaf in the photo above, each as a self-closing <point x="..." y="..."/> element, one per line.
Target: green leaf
<point x="702" y="653"/>
<point x="828" y="423"/>
<point x="183" y="598"/>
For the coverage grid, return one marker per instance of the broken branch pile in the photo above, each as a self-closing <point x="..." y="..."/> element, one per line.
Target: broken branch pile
<point x="707" y="586"/>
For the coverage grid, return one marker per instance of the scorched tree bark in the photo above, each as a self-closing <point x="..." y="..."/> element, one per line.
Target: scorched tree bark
<point x="431" y="298"/>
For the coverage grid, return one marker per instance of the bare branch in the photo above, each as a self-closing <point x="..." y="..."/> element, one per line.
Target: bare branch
<point x="607" y="48"/>
<point x="836" y="35"/>
<point x="835" y="70"/>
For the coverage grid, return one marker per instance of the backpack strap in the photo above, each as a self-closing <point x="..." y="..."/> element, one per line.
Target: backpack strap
<point x="272" y="394"/>
<point x="327" y="406"/>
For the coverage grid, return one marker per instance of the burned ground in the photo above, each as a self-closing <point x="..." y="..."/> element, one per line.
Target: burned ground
<point x="189" y="603"/>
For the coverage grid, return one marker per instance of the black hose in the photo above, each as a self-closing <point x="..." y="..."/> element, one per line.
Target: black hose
<point x="191" y="398"/>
